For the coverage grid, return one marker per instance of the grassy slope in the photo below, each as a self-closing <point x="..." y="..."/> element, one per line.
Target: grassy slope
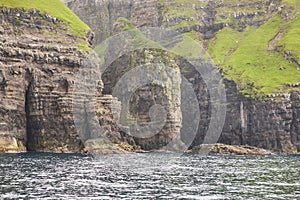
<point x="244" y="56"/>
<point x="55" y="8"/>
<point x="180" y="8"/>
<point x="245" y="59"/>
<point x="291" y="40"/>
<point x="135" y="38"/>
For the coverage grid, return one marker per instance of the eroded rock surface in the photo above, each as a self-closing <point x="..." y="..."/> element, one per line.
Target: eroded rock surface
<point x="272" y="123"/>
<point x="39" y="63"/>
<point x="223" y="149"/>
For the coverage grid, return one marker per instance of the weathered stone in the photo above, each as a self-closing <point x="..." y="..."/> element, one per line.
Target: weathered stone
<point x="103" y="146"/>
<point x="37" y="74"/>
<point x="11" y="145"/>
<point x="271" y="124"/>
<point x="103" y="14"/>
<point x="165" y="93"/>
<point x="265" y="124"/>
<point x="223" y="149"/>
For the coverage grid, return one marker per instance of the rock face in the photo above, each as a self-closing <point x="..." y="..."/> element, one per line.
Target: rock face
<point x="223" y="149"/>
<point x="207" y="17"/>
<point x="164" y="94"/>
<point x="103" y="14"/>
<point x="39" y="61"/>
<point x="42" y="109"/>
<point x="35" y="74"/>
<point x="272" y="123"/>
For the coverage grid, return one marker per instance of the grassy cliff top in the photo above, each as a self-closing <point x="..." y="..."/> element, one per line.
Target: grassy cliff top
<point x="55" y="8"/>
<point x="259" y="48"/>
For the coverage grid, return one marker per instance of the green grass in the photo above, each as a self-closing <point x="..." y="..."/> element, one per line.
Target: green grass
<point x="228" y="40"/>
<point x="291" y="40"/>
<point x="245" y="58"/>
<point x="294" y="3"/>
<point x="84" y="47"/>
<point x="55" y="8"/>
<point x="138" y="39"/>
<point x="135" y="39"/>
<point x="183" y="9"/>
<point x="127" y="25"/>
<point x="189" y="46"/>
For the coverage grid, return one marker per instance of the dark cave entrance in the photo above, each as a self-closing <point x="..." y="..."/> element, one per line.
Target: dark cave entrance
<point x="29" y="135"/>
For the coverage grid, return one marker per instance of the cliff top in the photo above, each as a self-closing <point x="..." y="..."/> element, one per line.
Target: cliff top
<point x="55" y="8"/>
<point x="255" y="43"/>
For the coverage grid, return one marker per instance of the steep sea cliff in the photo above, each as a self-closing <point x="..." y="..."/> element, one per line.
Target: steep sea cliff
<point x="40" y="58"/>
<point x="259" y="112"/>
<point x="42" y="54"/>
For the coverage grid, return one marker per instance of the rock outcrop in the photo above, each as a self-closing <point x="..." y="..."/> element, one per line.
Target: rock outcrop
<point x="162" y="97"/>
<point x="270" y="123"/>
<point x="205" y="17"/>
<point x="223" y="149"/>
<point x="39" y="63"/>
<point x="101" y="15"/>
<point x="42" y="109"/>
<point x="36" y="69"/>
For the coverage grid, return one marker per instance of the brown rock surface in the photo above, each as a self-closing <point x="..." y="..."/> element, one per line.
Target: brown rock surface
<point x="223" y="149"/>
<point x="39" y="61"/>
<point x="37" y="66"/>
<point x="273" y="123"/>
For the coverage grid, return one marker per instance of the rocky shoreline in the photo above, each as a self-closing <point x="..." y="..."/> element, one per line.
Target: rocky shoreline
<point x="40" y="60"/>
<point x="223" y="149"/>
<point x="107" y="148"/>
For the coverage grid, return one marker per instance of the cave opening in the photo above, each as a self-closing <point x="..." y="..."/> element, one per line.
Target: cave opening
<point x="28" y="124"/>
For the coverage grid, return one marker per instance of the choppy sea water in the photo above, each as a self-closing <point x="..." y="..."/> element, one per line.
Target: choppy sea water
<point x="148" y="176"/>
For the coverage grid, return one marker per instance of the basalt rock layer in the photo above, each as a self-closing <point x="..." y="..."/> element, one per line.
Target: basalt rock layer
<point x="47" y="106"/>
<point x="256" y="115"/>
<point x="39" y="63"/>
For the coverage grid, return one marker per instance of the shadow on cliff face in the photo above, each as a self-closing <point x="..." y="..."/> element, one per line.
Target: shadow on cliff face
<point x="29" y="136"/>
<point x="145" y="97"/>
<point x="148" y="95"/>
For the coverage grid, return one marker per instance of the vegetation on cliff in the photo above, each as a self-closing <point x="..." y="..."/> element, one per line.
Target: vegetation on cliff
<point x="249" y="60"/>
<point x="254" y="43"/>
<point x="55" y="8"/>
<point x="39" y="58"/>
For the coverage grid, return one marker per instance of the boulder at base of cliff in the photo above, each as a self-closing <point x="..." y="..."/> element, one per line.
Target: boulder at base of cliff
<point x="223" y="149"/>
<point x="103" y="146"/>
<point x="11" y="145"/>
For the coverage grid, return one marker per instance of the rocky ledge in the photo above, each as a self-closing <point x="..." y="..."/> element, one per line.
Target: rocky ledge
<point x="223" y="149"/>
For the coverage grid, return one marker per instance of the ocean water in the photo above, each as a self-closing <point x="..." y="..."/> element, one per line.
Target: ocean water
<point x="148" y="176"/>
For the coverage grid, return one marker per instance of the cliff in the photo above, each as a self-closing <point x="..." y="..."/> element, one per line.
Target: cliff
<point x="53" y="100"/>
<point x="254" y="44"/>
<point x="43" y="47"/>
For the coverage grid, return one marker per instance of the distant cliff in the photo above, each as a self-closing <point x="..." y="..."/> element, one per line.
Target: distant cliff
<point x="255" y="45"/>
